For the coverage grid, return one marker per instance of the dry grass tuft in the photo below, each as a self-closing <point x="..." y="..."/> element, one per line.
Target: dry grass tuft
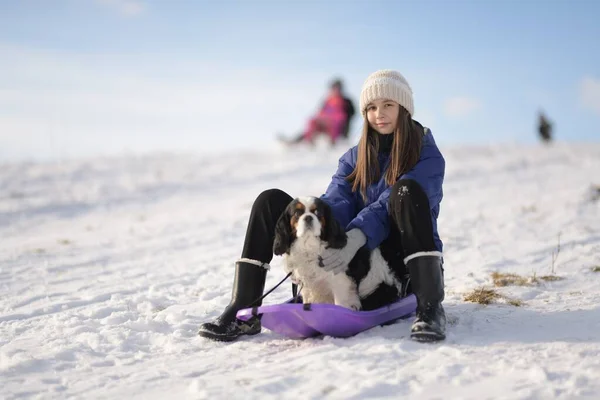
<point x="596" y="268"/>
<point x="501" y="279"/>
<point x="504" y="279"/>
<point x="551" y="278"/>
<point x="529" y="209"/>
<point x="513" y="302"/>
<point x="483" y="295"/>
<point x="595" y="192"/>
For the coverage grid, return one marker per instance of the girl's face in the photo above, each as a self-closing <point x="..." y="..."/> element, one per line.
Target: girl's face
<point x="382" y="115"/>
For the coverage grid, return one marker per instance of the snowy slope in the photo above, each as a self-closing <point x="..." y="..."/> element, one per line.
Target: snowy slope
<point x="108" y="266"/>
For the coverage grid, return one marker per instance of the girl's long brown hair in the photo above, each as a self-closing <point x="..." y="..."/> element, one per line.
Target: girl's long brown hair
<point x="405" y="153"/>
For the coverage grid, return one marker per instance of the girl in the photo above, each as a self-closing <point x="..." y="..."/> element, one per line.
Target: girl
<point x="386" y="192"/>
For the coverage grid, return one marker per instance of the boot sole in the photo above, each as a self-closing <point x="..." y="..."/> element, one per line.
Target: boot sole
<point x="217" y="338"/>
<point x="224" y="338"/>
<point x="427" y="337"/>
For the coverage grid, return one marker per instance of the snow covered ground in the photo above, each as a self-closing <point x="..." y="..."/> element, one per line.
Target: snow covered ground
<point x="108" y="266"/>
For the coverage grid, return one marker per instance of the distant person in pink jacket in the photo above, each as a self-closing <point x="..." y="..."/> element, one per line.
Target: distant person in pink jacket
<point x="333" y="118"/>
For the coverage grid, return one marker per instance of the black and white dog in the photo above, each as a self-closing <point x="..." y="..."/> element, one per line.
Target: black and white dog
<point x="303" y="231"/>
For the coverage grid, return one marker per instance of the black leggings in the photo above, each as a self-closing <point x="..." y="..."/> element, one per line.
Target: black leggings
<point x="411" y="230"/>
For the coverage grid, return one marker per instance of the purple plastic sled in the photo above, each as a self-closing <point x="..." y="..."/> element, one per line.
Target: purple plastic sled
<point x="300" y="321"/>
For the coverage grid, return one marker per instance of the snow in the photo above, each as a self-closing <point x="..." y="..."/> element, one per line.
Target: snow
<point x="109" y="265"/>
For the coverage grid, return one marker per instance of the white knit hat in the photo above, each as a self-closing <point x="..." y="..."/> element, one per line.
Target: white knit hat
<point x="387" y="84"/>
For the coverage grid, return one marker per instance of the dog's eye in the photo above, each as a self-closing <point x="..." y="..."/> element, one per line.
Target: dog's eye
<point x="317" y="212"/>
<point x="298" y="212"/>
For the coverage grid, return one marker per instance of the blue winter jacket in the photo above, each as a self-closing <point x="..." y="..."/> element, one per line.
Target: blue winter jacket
<point x="372" y="218"/>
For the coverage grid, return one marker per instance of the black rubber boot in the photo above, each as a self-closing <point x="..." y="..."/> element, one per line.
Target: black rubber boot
<point x="427" y="283"/>
<point x="248" y="286"/>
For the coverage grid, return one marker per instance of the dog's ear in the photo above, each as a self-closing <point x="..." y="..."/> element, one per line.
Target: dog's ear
<point x="333" y="234"/>
<point x="283" y="234"/>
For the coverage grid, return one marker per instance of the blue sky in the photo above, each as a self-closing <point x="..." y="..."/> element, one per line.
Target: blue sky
<point x="88" y="77"/>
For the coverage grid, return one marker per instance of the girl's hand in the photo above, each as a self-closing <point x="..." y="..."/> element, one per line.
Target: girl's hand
<point x="337" y="260"/>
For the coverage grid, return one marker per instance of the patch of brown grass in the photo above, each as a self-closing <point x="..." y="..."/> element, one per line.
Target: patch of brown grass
<point x="482" y="295"/>
<point x="551" y="278"/>
<point x="529" y="209"/>
<point x="513" y="302"/>
<point x="501" y="279"/>
<point x="486" y="296"/>
<point x="595" y="191"/>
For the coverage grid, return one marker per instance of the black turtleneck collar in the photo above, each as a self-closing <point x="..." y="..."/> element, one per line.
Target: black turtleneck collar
<point x="385" y="142"/>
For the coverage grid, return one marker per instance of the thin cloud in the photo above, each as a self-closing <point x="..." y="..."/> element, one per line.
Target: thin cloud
<point x="75" y="104"/>
<point x="461" y="106"/>
<point x="589" y="93"/>
<point x="129" y="8"/>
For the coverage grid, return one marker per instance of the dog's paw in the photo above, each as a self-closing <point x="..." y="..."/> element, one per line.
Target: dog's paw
<point x="351" y="306"/>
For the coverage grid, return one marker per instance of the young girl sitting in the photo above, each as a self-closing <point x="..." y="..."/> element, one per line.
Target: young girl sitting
<point x="386" y="192"/>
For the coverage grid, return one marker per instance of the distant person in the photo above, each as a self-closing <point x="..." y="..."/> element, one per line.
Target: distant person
<point x="333" y="118"/>
<point x="544" y="128"/>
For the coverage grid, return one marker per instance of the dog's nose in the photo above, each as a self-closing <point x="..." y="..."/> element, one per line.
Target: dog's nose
<point x="308" y="219"/>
